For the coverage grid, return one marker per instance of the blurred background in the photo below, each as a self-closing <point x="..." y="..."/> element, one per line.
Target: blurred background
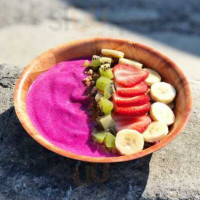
<point x="29" y="27"/>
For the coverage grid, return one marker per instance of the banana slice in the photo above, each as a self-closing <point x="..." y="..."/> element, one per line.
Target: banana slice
<point x="156" y="131"/>
<point x="130" y="62"/>
<point x="163" y="92"/>
<point x="153" y="77"/>
<point x="163" y="113"/>
<point x="129" y="141"/>
<point x="112" y="53"/>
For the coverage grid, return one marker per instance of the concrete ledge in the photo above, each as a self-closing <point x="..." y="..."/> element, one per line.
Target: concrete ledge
<point x="29" y="171"/>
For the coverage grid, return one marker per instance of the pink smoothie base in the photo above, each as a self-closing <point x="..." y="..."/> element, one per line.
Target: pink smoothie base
<point x="57" y="107"/>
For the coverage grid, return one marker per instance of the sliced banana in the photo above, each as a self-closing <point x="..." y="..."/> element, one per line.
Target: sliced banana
<point x="162" y="92"/>
<point x="153" y="77"/>
<point x="112" y="53"/>
<point x="156" y="131"/>
<point x="163" y="113"/>
<point x="130" y="62"/>
<point x="129" y="141"/>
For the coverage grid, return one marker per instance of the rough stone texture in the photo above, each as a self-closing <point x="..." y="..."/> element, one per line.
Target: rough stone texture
<point x="8" y="76"/>
<point x="29" y="171"/>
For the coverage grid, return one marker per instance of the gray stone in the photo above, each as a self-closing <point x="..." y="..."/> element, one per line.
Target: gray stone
<point x="29" y="171"/>
<point x="8" y="76"/>
<point x="174" y="170"/>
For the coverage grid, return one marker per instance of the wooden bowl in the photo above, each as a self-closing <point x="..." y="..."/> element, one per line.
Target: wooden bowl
<point x="85" y="48"/>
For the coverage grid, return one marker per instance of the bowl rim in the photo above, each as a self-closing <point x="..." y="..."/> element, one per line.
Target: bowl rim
<point x="41" y="140"/>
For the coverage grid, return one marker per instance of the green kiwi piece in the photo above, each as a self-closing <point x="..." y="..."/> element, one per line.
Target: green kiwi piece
<point x="102" y="82"/>
<point x="109" y="90"/>
<point x="105" y="67"/>
<point x="96" y="61"/>
<point x="99" y="136"/>
<point x="108" y="73"/>
<point x="109" y="140"/>
<point x="104" y="60"/>
<point x="107" y="123"/>
<point x="105" y="105"/>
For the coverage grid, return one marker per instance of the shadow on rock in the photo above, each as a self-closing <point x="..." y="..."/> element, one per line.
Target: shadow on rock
<point x="29" y="171"/>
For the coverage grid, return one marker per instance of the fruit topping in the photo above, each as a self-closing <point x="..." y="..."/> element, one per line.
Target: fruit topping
<point x="96" y="61"/>
<point x="162" y="92"/>
<point x="121" y="92"/>
<point x="107" y="123"/>
<point x="106" y="71"/>
<point x="109" y="140"/>
<point x="105" y="66"/>
<point x="139" y="123"/>
<point x="105" y="60"/>
<point x="132" y="110"/>
<point x="153" y="77"/>
<point x="156" y="131"/>
<point x="128" y="76"/>
<point x="130" y="62"/>
<point x="105" y="105"/>
<point x="102" y="82"/>
<point x="136" y="90"/>
<point x="163" y="113"/>
<point x="129" y="141"/>
<point x="109" y="90"/>
<point x="99" y="136"/>
<point x="112" y="53"/>
<point x="130" y="101"/>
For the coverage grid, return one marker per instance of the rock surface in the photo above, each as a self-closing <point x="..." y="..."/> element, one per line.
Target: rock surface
<point x="29" y="171"/>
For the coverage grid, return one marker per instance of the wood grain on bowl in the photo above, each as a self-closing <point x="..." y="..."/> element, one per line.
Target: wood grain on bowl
<point x="85" y="48"/>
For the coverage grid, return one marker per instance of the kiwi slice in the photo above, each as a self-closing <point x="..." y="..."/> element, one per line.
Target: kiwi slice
<point x="104" y="60"/>
<point x="105" y="67"/>
<point x="99" y="136"/>
<point x="106" y="73"/>
<point x="96" y="61"/>
<point x="109" y="90"/>
<point x="107" y="123"/>
<point x="102" y="82"/>
<point x="109" y="140"/>
<point x="105" y="105"/>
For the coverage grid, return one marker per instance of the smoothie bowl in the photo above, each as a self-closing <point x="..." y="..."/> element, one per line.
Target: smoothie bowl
<point x="102" y="100"/>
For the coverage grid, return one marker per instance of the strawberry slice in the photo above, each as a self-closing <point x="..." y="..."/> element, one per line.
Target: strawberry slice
<point x="130" y="101"/>
<point x="132" y="110"/>
<point x="136" y="90"/>
<point x="127" y="122"/>
<point x="128" y="76"/>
